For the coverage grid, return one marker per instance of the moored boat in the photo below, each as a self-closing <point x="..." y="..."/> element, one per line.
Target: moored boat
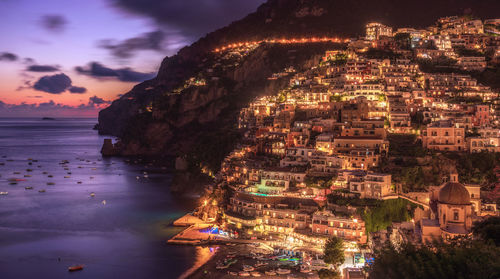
<point x="75" y="267"/>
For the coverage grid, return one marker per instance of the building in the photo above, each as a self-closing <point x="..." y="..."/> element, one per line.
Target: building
<point x="375" y="30"/>
<point x="327" y="223"/>
<point x="452" y="213"/>
<point x="472" y="63"/>
<point x="444" y="136"/>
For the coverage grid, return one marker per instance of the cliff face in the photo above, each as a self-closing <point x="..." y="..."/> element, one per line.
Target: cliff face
<point x="181" y="123"/>
<point x="153" y="121"/>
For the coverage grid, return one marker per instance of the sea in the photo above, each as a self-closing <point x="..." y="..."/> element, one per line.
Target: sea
<point x="121" y="232"/>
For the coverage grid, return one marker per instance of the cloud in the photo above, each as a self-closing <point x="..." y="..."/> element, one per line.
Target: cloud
<point x="54" y="23"/>
<point x="51" y="108"/>
<point x="42" y="68"/>
<point x="57" y="84"/>
<point x="98" y="101"/>
<point x="7" y="56"/>
<point x="97" y="70"/>
<point x="28" y="60"/>
<point x="77" y="90"/>
<point x="127" y="48"/>
<point x="193" y="18"/>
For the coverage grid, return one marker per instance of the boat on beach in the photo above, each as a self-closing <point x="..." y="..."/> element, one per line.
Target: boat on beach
<point x="283" y="271"/>
<point x="248" y="268"/>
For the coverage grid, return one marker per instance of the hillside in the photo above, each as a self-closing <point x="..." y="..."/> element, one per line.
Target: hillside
<point x="153" y="121"/>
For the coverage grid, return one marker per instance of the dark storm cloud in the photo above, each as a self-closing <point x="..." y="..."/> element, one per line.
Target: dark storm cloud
<point x="77" y="90"/>
<point x="97" y="70"/>
<point x="192" y="18"/>
<point x="42" y="68"/>
<point x="54" y="23"/>
<point x="57" y="84"/>
<point x="7" y="56"/>
<point x="127" y="48"/>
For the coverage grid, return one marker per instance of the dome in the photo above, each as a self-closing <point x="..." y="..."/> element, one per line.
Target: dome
<point x="454" y="193"/>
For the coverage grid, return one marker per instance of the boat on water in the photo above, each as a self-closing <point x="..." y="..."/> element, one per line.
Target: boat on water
<point x="41" y="191"/>
<point x="51" y="183"/>
<point x="28" y="188"/>
<point x="16" y="179"/>
<point x="4" y="193"/>
<point x="104" y="202"/>
<point x="75" y="267"/>
<point x="92" y="194"/>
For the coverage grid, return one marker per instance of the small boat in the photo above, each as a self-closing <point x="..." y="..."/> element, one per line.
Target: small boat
<point x="270" y="273"/>
<point x="248" y="268"/>
<point x="75" y="268"/>
<point x="232" y="273"/>
<point x="29" y="170"/>
<point x="283" y="271"/>
<point x="244" y="274"/>
<point x="4" y="193"/>
<point x="16" y="179"/>
<point x="50" y="175"/>
<point x="67" y="176"/>
<point x="104" y="202"/>
<point x="92" y="194"/>
<point x="27" y="175"/>
<point x="28" y="188"/>
<point x="259" y="264"/>
<point x="16" y="172"/>
<point x="41" y="191"/>
<point x="44" y="172"/>
<point x="255" y="274"/>
<point x="79" y="182"/>
<point x="51" y="183"/>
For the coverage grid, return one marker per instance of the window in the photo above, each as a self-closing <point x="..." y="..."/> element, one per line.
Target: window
<point x="455" y="215"/>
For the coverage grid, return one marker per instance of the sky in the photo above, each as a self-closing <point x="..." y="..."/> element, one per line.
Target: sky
<point x="71" y="58"/>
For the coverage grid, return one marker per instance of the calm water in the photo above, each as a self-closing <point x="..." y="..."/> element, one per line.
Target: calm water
<point x="41" y="234"/>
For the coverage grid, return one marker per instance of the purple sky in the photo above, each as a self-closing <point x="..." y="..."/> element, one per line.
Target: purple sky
<point x="57" y="57"/>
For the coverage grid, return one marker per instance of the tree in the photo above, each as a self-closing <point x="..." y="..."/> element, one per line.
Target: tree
<point x="334" y="251"/>
<point x="328" y="274"/>
<point x="456" y="259"/>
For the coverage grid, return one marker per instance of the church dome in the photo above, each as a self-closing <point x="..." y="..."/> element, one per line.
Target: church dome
<point x="454" y="193"/>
